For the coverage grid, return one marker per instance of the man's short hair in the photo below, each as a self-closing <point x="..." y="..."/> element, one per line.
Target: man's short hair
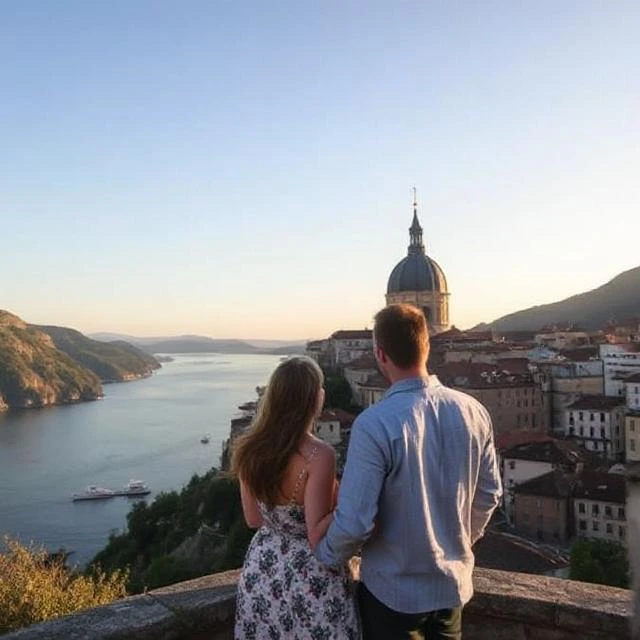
<point x="400" y="330"/>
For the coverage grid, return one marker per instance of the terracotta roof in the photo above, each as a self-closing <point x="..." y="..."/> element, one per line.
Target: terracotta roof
<point x="555" y="484"/>
<point x="514" y="438"/>
<point x="596" y="403"/>
<point x="605" y="487"/>
<point x="553" y="451"/>
<point x="506" y="552"/>
<point x="352" y="334"/>
<point x="455" y="335"/>
<point x="481" y="374"/>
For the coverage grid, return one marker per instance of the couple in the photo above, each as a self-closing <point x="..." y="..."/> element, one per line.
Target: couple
<point x="419" y="486"/>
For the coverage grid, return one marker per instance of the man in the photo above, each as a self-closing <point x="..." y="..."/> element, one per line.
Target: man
<point x="419" y="486"/>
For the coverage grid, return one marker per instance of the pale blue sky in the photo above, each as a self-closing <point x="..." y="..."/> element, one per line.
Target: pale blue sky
<point x="244" y="169"/>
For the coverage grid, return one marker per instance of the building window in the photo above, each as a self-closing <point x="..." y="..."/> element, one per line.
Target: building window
<point x="632" y="425"/>
<point x="595" y="525"/>
<point x="581" y="508"/>
<point x="621" y="513"/>
<point x="608" y="511"/>
<point x="602" y="433"/>
<point x="602" y="417"/>
<point x="591" y="417"/>
<point x="621" y="532"/>
<point x="609" y="527"/>
<point x="632" y="444"/>
<point x="581" y="431"/>
<point x="592" y="431"/>
<point x="581" y="415"/>
<point x="512" y="464"/>
<point x="595" y="510"/>
<point x="582" y="525"/>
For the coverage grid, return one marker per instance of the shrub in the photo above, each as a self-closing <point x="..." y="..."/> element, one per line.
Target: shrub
<point x="34" y="588"/>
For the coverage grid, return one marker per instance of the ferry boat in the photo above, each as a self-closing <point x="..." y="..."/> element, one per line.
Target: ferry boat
<point x="134" y="488"/>
<point x="94" y="493"/>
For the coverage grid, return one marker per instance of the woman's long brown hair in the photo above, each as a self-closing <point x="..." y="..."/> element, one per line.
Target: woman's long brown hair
<point x="260" y="456"/>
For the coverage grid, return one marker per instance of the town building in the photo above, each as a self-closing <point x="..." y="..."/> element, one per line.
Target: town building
<point x="632" y="436"/>
<point x="514" y="399"/>
<point x="632" y="385"/>
<point x="619" y="361"/>
<point x="542" y="507"/>
<point x="332" y="424"/>
<point x="599" y="506"/>
<point x="357" y="373"/>
<point x="418" y="280"/>
<point x="557" y="338"/>
<point x="597" y="422"/>
<point x="568" y="381"/>
<point x="529" y="460"/>
<point x="346" y="346"/>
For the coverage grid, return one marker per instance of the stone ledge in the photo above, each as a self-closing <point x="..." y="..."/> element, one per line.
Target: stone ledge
<point x="506" y="606"/>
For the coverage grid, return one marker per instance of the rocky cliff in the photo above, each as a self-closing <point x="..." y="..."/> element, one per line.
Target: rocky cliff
<point x="33" y="373"/>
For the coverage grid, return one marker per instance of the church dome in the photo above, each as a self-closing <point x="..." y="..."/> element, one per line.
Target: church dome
<point x="417" y="272"/>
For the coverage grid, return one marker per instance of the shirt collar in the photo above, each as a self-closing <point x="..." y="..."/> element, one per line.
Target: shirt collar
<point x="412" y="384"/>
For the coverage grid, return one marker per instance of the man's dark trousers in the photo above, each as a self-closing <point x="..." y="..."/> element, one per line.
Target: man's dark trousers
<point x="381" y="623"/>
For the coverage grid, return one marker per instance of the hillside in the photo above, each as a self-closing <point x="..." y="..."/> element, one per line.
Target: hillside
<point x="203" y="344"/>
<point x="33" y="373"/>
<point x="115" y="361"/>
<point x="618" y="299"/>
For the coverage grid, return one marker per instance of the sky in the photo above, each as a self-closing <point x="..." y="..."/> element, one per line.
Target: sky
<point x="245" y="169"/>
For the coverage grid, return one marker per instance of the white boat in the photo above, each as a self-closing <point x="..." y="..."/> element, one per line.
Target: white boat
<point x="94" y="493"/>
<point x="134" y="488"/>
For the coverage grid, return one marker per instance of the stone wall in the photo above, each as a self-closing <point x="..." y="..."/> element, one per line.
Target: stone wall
<point x="506" y="606"/>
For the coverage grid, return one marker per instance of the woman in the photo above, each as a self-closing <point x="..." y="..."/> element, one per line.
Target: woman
<point x="288" y="485"/>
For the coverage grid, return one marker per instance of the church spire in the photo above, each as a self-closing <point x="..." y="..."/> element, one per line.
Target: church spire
<point x="415" y="230"/>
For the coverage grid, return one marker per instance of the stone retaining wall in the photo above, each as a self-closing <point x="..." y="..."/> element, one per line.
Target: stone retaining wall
<point x="506" y="606"/>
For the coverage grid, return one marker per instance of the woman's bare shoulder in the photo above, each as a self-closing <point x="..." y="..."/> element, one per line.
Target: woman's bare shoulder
<point x="323" y="451"/>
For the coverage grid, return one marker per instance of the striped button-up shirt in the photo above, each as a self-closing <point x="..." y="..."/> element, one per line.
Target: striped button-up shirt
<point x="419" y="486"/>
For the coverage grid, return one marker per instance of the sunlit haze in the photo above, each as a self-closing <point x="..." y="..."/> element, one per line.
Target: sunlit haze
<point x="244" y="169"/>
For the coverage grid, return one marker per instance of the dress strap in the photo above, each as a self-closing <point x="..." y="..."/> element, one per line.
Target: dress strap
<point x="303" y="473"/>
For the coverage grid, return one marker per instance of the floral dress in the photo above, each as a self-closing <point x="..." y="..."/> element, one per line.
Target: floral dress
<point x="284" y="593"/>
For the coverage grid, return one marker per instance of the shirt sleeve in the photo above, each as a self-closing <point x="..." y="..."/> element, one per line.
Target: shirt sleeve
<point x="360" y="487"/>
<point x="488" y="489"/>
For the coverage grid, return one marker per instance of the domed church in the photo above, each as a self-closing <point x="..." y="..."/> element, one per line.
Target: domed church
<point x="418" y="279"/>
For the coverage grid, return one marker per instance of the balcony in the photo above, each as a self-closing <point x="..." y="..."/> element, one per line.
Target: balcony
<point x="506" y="606"/>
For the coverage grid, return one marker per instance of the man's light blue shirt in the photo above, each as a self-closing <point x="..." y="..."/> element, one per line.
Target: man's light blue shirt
<point x="419" y="486"/>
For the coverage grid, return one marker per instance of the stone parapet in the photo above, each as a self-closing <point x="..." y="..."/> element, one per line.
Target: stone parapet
<point x="506" y="606"/>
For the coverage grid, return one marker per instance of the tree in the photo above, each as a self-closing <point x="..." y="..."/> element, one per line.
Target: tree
<point x="600" y="562"/>
<point x="337" y="393"/>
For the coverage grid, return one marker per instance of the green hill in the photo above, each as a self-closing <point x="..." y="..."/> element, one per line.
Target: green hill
<point x="618" y="299"/>
<point x="115" y="361"/>
<point x="33" y="373"/>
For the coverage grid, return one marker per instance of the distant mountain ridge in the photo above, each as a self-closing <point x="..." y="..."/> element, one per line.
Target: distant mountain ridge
<point x="114" y="361"/>
<point x="618" y="299"/>
<point x="203" y="344"/>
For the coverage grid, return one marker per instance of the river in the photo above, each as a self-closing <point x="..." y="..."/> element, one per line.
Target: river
<point x="149" y="430"/>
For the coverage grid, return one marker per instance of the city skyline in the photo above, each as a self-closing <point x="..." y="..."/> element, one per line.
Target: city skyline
<point x="243" y="171"/>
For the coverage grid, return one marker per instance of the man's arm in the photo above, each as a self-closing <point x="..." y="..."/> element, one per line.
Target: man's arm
<point x="488" y="489"/>
<point x="360" y="487"/>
